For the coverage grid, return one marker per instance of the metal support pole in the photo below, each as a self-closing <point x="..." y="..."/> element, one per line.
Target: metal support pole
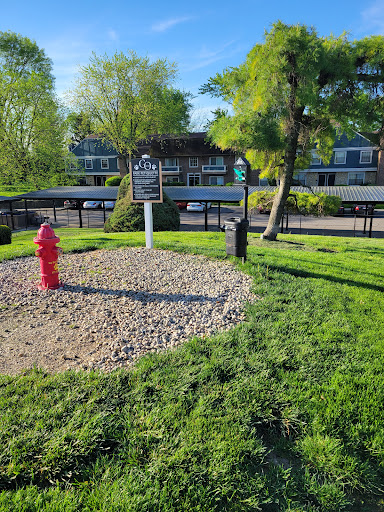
<point x="286" y="223"/>
<point x="26" y="214"/>
<point x="80" y="218"/>
<point x="12" y="219"/>
<point x="370" y="227"/>
<point x="54" y="210"/>
<point x="245" y="202"/>
<point x="282" y="223"/>
<point x="218" y="215"/>
<point x="104" y="212"/>
<point x="148" y="218"/>
<point x="206" y="217"/>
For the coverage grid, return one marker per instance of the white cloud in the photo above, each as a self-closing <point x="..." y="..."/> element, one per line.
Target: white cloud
<point x="112" y="34"/>
<point x="206" y="56"/>
<point x="373" y="19"/>
<point x="162" y="26"/>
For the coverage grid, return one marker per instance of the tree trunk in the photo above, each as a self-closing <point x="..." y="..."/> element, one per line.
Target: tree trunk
<point x="122" y="165"/>
<point x="293" y="130"/>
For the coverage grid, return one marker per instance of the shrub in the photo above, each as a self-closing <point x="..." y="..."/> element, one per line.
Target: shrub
<point x="5" y="235"/>
<point x="113" y="181"/>
<point x="173" y="184"/>
<point x="128" y="216"/>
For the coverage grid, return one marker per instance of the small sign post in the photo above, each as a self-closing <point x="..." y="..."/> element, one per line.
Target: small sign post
<point x="146" y="187"/>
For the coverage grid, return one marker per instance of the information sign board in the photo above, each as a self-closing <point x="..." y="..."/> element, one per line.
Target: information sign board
<point x="146" y="186"/>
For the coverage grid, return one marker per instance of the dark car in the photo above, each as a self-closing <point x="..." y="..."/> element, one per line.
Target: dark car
<point x="363" y="209"/>
<point x="73" y="204"/>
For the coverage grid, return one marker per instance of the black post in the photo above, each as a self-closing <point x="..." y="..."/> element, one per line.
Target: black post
<point x="370" y="227"/>
<point x="80" y="218"/>
<point x="12" y="219"/>
<point x="206" y="217"/>
<point x="26" y="214"/>
<point x="54" y="210"/>
<point x="245" y="202"/>
<point x="282" y="223"/>
<point x="286" y="224"/>
<point x="218" y="215"/>
<point x="104" y="211"/>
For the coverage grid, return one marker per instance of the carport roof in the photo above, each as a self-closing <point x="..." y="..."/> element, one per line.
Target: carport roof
<point x="348" y="194"/>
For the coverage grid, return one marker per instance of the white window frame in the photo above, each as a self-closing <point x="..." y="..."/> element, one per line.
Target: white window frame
<point x="350" y="174"/>
<point x="340" y="153"/>
<point x="369" y="154"/>
<point x="104" y="160"/>
<point x="85" y="163"/>
<point x="174" y="159"/>
<point x="216" y="178"/>
<point x="195" y="174"/>
<point x="215" y="158"/>
<point x="315" y="156"/>
<point x="192" y="160"/>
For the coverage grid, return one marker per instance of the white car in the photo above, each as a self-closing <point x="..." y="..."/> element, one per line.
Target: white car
<point x="93" y="204"/>
<point x="197" y="207"/>
<point x="109" y="205"/>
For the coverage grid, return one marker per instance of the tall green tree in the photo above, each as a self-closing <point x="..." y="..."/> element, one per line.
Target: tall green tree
<point x="129" y="98"/>
<point x="296" y="91"/>
<point x="32" y="128"/>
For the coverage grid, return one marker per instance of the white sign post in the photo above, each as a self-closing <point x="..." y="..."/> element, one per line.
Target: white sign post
<point x="146" y="187"/>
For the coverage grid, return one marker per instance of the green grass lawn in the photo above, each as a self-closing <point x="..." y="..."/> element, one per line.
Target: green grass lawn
<point x="282" y="413"/>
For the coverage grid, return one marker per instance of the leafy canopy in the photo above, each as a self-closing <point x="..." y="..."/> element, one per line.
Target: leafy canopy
<point x="130" y="98"/>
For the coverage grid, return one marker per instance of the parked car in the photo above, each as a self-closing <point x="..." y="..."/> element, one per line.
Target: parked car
<point x="73" y="204"/>
<point x="93" y="204"/>
<point x="197" y="207"/>
<point x="181" y="204"/>
<point x="340" y="211"/>
<point x="109" y="205"/>
<point x="363" y="209"/>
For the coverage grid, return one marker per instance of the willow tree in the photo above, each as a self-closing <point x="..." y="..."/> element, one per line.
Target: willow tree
<point x="294" y="92"/>
<point x="129" y="98"/>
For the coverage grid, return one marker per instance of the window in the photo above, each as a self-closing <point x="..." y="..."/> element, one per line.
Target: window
<point x="327" y="180"/>
<point x="88" y="163"/>
<point x="263" y="182"/>
<point x="171" y="179"/>
<point x="104" y="163"/>
<point x="340" y="157"/>
<point x="216" y="160"/>
<point x="171" y="162"/>
<point x="193" y="161"/>
<point x="193" y="179"/>
<point x="365" y="157"/>
<point x="216" y="180"/>
<point x="301" y="177"/>
<point x="316" y="160"/>
<point x="356" y="178"/>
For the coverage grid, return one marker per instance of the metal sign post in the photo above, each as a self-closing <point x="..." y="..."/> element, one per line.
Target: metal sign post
<point x="146" y="187"/>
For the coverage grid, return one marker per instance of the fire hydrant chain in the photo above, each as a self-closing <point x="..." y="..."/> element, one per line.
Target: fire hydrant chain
<point x="48" y="254"/>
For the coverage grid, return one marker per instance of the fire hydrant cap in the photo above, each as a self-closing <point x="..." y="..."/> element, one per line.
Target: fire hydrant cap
<point x="45" y="232"/>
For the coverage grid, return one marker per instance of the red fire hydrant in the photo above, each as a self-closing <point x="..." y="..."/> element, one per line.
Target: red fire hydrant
<point x="48" y="254"/>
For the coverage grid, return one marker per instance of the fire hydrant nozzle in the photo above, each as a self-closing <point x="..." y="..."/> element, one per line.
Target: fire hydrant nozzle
<point x="48" y="254"/>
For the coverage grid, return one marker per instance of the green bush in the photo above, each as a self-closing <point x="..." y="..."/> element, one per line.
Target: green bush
<point x="113" y="181"/>
<point x="5" y="235"/>
<point x="128" y="216"/>
<point x="173" y="184"/>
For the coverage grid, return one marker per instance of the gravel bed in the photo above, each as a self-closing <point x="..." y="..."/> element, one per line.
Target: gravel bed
<point x="115" y="306"/>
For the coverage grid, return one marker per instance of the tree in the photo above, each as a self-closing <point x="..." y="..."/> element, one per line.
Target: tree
<point x="32" y="128"/>
<point x="129" y="99"/>
<point x="296" y="91"/>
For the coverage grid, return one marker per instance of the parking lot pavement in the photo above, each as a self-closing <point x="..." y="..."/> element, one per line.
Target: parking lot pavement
<point x="344" y="225"/>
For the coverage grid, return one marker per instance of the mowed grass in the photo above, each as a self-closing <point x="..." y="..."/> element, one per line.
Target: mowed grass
<point x="282" y="413"/>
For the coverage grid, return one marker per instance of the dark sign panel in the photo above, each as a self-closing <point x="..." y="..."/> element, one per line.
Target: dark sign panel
<point x="146" y="180"/>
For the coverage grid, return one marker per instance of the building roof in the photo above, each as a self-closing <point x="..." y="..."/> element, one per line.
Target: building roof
<point x="348" y="194"/>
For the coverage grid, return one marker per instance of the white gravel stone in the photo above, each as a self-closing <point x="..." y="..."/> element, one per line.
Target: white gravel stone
<point x="130" y="301"/>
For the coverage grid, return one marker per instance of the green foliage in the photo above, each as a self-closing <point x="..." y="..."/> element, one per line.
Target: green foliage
<point x="173" y="184"/>
<point x="128" y="98"/>
<point x="5" y="235"/>
<point x="113" y="181"/>
<point x="298" y="202"/>
<point x="32" y="126"/>
<point x="129" y="216"/>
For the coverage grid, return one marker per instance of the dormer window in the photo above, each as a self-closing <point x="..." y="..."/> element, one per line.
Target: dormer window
<point x="340" y="157"/>
<point x="365" y="157"/>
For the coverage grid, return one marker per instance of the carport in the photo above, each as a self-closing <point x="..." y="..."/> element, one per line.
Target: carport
<point x="352" y="195"/>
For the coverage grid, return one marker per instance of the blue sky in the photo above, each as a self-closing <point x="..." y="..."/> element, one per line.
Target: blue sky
<point x="203" y="37"/>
